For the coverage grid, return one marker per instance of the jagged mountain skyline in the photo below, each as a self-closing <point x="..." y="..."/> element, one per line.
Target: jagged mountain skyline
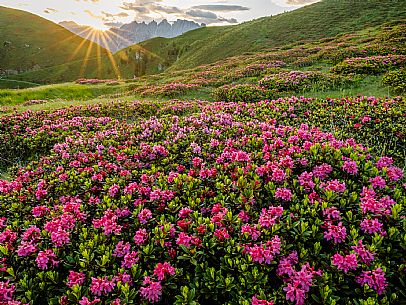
<point x="103" y="14"/>
<point x="118" y="38"/>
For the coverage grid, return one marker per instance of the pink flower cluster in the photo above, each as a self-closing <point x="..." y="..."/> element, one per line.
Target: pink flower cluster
<point x="298" y="282"/>
<point x="153" y="290"/>
<point x="375" y="279"/>
<point x="46" y="258"/>
<point x="269" y="216"/>
<point x="345" y="263"/>
<point x="265" y="253"/>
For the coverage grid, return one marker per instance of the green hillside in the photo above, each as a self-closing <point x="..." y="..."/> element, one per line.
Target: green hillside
<point x="324" y="19"/>
<point x="38" y="50"/>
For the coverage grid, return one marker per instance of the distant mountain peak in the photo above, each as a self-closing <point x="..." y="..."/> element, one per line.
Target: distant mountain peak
<point x="135" y="32"/>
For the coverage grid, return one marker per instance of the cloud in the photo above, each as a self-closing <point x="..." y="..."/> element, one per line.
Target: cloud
<point x="93" y="15"/>
<point x="113" y="24"/>
<point x="146" y="9"/>
<point x="202" y="14"/>
<point x="49" y="10"/>
<point x="109" y="15"/>
<point x="221" y="8"/>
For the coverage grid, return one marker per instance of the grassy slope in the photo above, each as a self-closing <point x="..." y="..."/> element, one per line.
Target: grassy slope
<point x="29" y="41"/>
<point x="324" y="19"/>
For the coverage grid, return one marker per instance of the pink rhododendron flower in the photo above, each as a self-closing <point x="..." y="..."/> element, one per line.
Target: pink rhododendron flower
<point x="113" y="190"/>
<point x="75" y="278"/>
<point x="6" y="291"/>
<point x="86" y="301"/>
<point x="336" y="233"/>
<point x="184" y="240"/>
<point x="378" y="182"/>
<point x="252" y="231"/>
<point x="350" y="167"/>
<point x="162" y="269"/>
<point x="256" y="301"/>
<point x="101" y="286"/>
<point x="363" y="253"/>
<point x="284" y="194"/>
<point x="26" y="248"/>
<point x="221" y="234"/>
<point x="130" y="259"/>
<point x="345" y="263"/>
<point x="269" y="217"/>
<point x="371" y="226"/>
<point x="153" y="290"/>
<point x="141" y="236"/>
<point x="46" y="258"/>
<point x="144" y="216"/>
<point x="375" y="279"/>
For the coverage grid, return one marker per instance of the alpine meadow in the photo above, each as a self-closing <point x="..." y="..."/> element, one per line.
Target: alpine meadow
<point x="202" y="153"/>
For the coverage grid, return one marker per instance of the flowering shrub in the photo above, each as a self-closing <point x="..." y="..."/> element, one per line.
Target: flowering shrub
<point x="396" y="80"/>
<point x="240" y="93"/>
<point x="35" y="102"/>
<point x="260" y="68"/>
<point x="90" y="81"/>
<point x="226" y="206"/>
<point x="29" y="135"/>
<point x="370" y="65"/>
<point x="171" y="90"/>
<point x="295" y="81"/>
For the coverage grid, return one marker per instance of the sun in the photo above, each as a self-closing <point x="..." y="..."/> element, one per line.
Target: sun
<point x="98" y="25"/>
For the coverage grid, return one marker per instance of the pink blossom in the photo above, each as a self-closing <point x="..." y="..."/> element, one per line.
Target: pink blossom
<point x="336" y="233"/>
<point x="286" y="264"/>
<point x="86" y="301"/>
<point x="299" y="284"/>
<point x="255" y="301"/>
<point x="46" y="258"/>
<point x="278" y="175"/>
<point x="252" y="231"/>
<point x="371" y="226"/>
<point x="269" y="217"/>
<point x="113" y="190"/>
<point x="222" y="234"/>
<point x="378" y="182"/>
<point x="394" y="173"/>
<point x="306" y="180"/>
<point x="130" y="259"/>
<point x="109" y="223"/>
<point x="345" y="263"/>
<point x="75" y="278"/>
<point x="101" y="286"/>
<point x="184" y="239"/>
<point x="375" y="279"/>
<point x="363" y="253"/>
<point x="331" y="214"/>
<point x="26" y="248"/>
<point x="322" y="171"/>
<point x="284" y="194"/>
<point x="40" y="211"/>
<point x="6" y="291"/>
<point x="350" y="167"/>
<point x="265" y="253"/>
<point x="384" y="162"/>
<point x="334" y="186"/>
<point x="141" y="236"/>
<point x="244" y="216"/>
<point x="60" y="238"/>
<point x="153" y="290"/>
<point x="162" y="269"/>
<point x="144" y="215"/>
<point x="121" y="249"/>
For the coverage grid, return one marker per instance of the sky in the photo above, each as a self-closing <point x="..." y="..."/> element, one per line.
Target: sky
<point x="103" y="14"/>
